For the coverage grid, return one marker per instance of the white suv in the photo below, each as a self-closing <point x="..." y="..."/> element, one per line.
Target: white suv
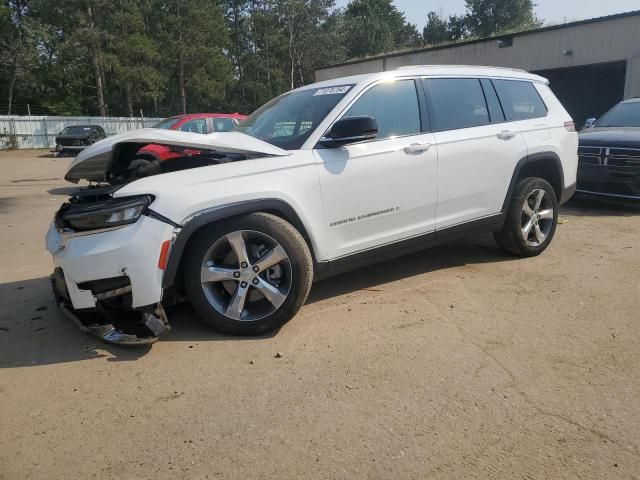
<point x="324" y="178"/>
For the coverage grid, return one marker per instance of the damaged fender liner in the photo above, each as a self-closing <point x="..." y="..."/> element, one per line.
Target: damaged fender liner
<point x="112" y="320"/>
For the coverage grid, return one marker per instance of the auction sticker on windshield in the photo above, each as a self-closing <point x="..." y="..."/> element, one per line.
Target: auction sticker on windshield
<point x="332" y="90"/>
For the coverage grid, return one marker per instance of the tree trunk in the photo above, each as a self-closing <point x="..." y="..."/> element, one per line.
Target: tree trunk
<point x="97" y="71"/>
<point x="98" y="75"/>
<point x="104" y="85"/>
<point x="297" y="54"/>
<point x="129" y="101"/>
<point x="183" y="93"/>
<point x="266" y="39"/>
<point x="293" y="65"/>
<point x="12" y="84"/>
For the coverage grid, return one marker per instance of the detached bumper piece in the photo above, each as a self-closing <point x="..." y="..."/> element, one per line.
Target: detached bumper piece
<point x="112" y="320"/>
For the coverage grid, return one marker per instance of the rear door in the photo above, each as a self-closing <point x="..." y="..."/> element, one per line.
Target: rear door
<point x="477" y="149"/>
<point x="384" y="190"/>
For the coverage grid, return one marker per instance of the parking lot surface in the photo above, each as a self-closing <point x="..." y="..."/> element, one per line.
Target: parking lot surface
<point x="455" y="362"/>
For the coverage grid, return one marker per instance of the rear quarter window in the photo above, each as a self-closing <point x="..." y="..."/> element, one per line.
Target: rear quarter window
<point x="520" y="100"/>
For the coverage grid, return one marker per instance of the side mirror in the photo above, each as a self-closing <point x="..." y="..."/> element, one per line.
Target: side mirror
<point x="350" y="130"/>
<point x="590" y="122"/>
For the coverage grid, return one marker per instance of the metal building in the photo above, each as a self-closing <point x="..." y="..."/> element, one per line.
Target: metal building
<point x="592" y="64"/>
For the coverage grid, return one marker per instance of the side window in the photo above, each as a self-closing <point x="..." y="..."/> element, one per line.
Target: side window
<point x="495" y="110"/>
<point x="520" y="100"/>
<point x="457" y="103"/>
<point x="394" y="105"/>
<point x="198" y="125"/>
<point x="222" y="124"/>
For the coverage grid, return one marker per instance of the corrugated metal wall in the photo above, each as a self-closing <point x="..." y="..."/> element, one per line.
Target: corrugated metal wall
<point x="607" y="40"/>
<point x="40" y="132"/>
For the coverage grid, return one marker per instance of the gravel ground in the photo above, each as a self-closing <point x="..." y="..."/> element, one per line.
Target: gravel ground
<point x="456" y="362"/>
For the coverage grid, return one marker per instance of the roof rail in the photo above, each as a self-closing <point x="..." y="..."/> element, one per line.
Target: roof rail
<point x="409" y="67"/>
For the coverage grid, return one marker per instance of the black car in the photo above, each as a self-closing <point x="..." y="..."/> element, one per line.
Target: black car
<point x="609" y="153"/>
<point x="77" y="137"/>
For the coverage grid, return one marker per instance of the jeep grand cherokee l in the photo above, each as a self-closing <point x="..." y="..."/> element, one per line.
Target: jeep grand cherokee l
<point x="324" y="178"/>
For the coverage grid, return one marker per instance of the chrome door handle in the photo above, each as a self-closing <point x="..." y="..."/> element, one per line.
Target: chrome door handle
<point x="416" y="148"/>
<point x="506" y="135"/>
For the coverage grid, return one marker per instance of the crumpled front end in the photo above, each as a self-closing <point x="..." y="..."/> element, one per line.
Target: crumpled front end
<point x="111" y="319"/>
<point x="109" y="280"/>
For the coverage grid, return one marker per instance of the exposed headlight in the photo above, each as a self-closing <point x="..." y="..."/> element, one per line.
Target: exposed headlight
<point x="109" y="213"/>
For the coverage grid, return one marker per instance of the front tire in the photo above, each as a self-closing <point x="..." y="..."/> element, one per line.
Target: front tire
<point x="248" y="275"/>
<point x="531" y="220"/>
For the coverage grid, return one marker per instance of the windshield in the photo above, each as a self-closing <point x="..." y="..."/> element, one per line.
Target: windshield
<point x="622" y="115"/>
<point x="76" y="131"/>
<point x="167" y="123"/>
<point x="288" y="120"/>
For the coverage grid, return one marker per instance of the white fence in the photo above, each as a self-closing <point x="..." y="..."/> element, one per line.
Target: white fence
<point x="40" y="132"/>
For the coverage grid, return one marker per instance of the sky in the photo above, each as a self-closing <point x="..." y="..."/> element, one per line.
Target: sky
<point x="551" y="11"/>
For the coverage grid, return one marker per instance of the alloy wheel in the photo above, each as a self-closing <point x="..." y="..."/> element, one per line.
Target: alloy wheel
<point x="246" y="275"/>
<point x="537" y="218"/>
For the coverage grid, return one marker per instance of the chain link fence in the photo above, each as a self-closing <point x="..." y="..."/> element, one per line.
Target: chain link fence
<point x="40" y="131"/>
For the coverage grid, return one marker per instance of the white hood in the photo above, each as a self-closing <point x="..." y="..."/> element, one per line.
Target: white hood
<point x="93" y="162"/>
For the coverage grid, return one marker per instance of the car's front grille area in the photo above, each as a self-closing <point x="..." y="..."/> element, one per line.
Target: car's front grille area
<point x="73" y="142"/>
<point x="609" y="157"/>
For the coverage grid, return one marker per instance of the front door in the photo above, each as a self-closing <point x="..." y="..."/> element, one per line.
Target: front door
<point x="384" y="190"/>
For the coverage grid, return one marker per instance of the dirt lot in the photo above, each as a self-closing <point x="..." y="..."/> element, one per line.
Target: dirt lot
<point x="458" y="362"/>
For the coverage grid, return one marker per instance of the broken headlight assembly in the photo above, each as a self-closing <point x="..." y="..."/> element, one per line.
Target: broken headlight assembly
<point x="109" y="213"/>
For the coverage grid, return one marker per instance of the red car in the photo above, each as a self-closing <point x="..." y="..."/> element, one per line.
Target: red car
<point x="196" y="123"/>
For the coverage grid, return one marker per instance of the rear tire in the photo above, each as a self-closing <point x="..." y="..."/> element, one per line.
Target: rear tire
<point x="531" y="220"/>
<point x="248" y="275"/>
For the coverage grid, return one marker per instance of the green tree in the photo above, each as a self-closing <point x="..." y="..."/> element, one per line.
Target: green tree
<point x="17" y="45"/>
<point x="277" y="45"/>
<point x="374" y="26"/>
<point x="437" y="29"/>
<point x="310" y="31"/>
<point x="134" y="55"/>
<point x="236" y="14"/>
<point x="491" y="17"/>
<point x="457" y="28"/>
<point x="193" y="37"/>
<point x="69" y="65"/>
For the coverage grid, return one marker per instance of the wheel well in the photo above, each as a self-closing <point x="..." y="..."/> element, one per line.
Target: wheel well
<point x="290" y="217"/>
<point x="293" y="219"/>
<point x="546" y="168"/>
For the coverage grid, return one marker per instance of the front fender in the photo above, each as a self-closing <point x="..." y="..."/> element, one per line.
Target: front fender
<point x="205" y="217"/>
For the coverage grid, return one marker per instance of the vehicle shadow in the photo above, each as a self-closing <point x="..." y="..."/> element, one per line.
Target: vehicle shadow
<point x="34" y="332"/>
<point x="473" y="250"/>
<point x="585" y="206"/>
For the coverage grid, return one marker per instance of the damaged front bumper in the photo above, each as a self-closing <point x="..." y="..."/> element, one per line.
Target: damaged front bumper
<point x="110" y="320"/>
<point x="109" y="282"/>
